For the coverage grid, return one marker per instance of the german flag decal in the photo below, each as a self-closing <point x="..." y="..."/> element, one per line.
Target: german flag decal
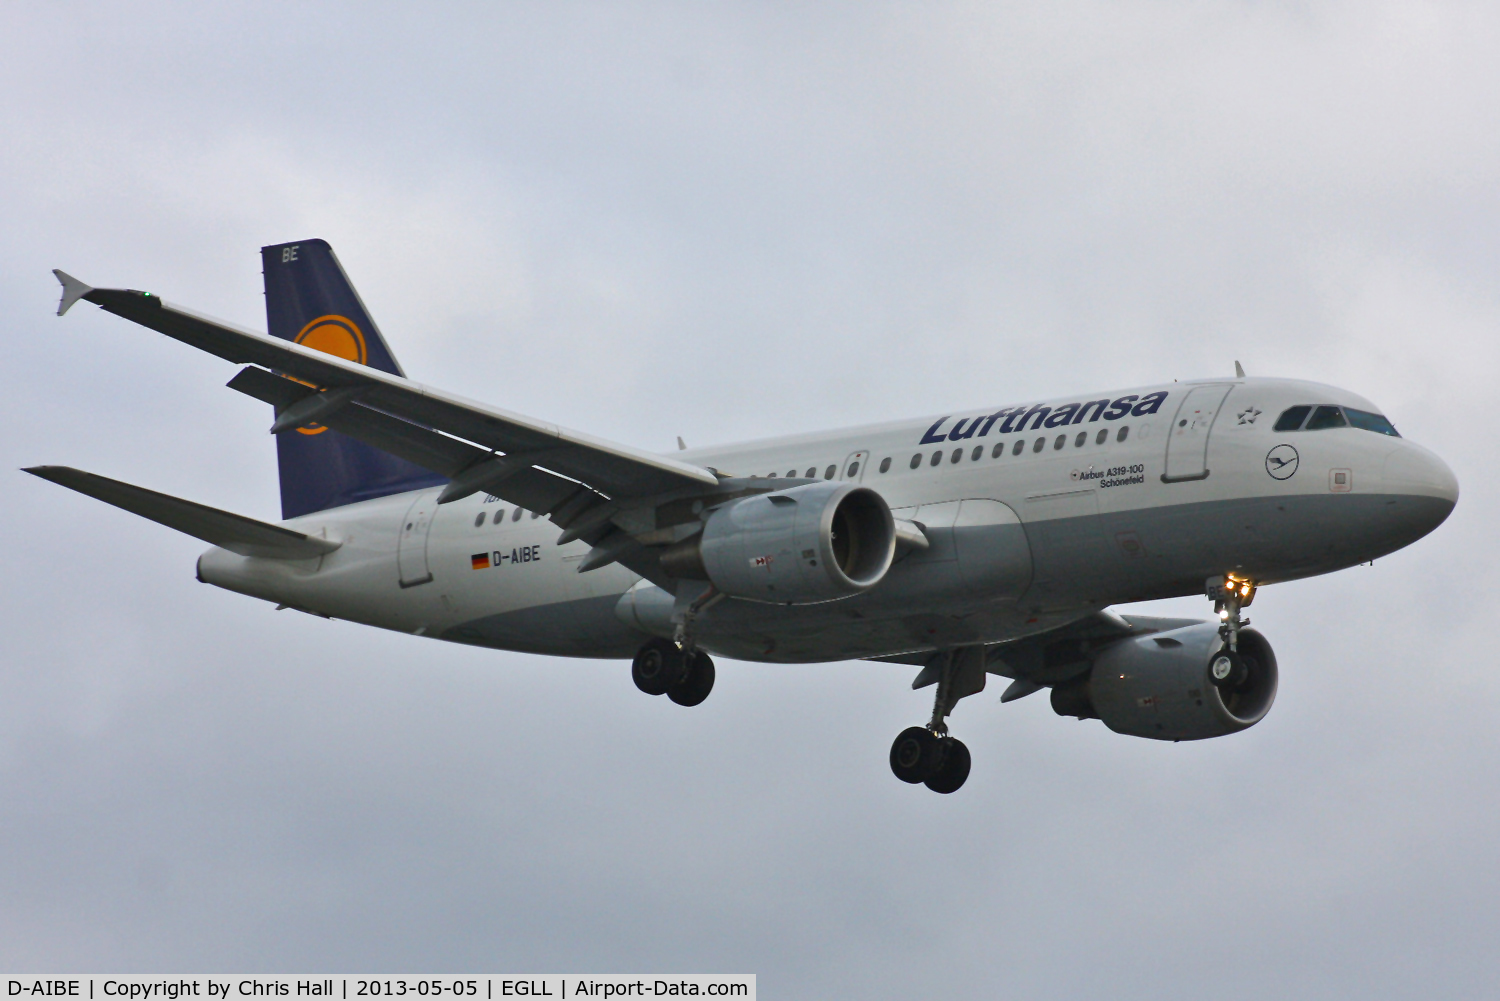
<point x="480" y="561"/>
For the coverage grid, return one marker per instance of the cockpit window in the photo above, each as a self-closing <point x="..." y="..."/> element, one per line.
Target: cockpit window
<point x="1371" y="422"/>
<point x="1333" y="417"/>
<point x="1324" y="418"/>
<point x="1292" y="419"/>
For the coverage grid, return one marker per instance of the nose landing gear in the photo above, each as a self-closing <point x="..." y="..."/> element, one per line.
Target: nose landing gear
<point x="926" y="754"/>
<point x="1228" y="669"/>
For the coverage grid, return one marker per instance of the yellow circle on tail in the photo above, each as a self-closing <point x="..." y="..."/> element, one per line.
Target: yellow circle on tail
<point x="335" y="335"/>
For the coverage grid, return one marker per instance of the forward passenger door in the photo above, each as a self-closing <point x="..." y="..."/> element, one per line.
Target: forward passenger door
<point x="1187" y="438"/>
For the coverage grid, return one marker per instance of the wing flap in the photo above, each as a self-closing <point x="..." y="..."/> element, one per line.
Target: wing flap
<point x="234" y="532"/>
<point x="528" y="487"/>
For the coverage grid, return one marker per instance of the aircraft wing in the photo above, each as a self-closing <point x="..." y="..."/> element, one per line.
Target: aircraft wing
<point x="616" y="471"/>
<point x="1045" y="659"/>
<point x="233" y="532"/>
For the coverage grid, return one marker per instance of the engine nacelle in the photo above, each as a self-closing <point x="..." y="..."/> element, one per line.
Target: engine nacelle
<point x="804" y="544"/>
<point x="1158" y="686"/>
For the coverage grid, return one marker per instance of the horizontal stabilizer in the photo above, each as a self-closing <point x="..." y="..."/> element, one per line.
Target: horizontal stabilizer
<point x="233" y="532"/>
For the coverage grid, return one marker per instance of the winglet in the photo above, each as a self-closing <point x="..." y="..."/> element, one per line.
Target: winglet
<point x="1239" y="371"/>
<point x="73" y="290"/>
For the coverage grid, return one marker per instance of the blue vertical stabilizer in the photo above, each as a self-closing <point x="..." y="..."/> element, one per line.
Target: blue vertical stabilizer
<point x="309" y="300"/>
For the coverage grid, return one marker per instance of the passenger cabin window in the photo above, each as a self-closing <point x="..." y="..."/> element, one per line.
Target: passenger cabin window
<point x="916" y="460"/>
<point x="978" y="453"/>
<point x="958" y="453"/>
<point x="1324" y="418"/>
<point x="517" y="515"/>
<point x="499" y="516"/>
<point x="1041" y="443"/>
<point x="853" y="469"/>
<point x="885" y="465"/>
<point x="791" y="474"/>
<point x="937" y="457"/>
<point x="535" y="515"/>
<point x="1062" y="440"/>
<point x="812" y="471"/>
<point x="828" y="473"/>
<point x="999" y="450"/>
<point x="1292" y="418"/>
<point x="1367" y="421"/>
<point x="479" y="519"/>
<point x="1083" y="436"/>
<point x="1123" y="433"/>
<point x="1102" y="437"/>
<point x="1020" y="447"/>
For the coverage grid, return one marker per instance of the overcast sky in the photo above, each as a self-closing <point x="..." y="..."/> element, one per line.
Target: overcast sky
<point x="724" y="221"/>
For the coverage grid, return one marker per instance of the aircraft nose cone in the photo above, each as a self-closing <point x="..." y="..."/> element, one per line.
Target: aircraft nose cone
<point x="1427" y="488"/>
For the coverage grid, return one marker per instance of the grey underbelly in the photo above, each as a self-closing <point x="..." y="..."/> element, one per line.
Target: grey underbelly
<point x="1077" y="565"/>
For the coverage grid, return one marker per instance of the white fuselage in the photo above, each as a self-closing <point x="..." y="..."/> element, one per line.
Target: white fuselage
<point x="1085" y="507"/>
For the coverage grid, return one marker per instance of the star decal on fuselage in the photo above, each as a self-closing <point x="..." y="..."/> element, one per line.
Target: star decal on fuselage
<point x="1248" y="415"/>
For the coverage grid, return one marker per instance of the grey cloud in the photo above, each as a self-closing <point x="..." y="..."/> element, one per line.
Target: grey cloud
<point x="723" y="222"/>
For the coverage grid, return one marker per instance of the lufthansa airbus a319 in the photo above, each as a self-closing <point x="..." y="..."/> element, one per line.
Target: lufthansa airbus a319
<point x="966" y="545"/>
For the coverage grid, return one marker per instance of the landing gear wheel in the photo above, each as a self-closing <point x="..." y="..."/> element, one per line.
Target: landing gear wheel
<point x="918" y="754"/>
<point x="699" y="681"/>
<point x="657" y="667"/>
<point x="1227" y="670"/>
<point x="955" y="768"/>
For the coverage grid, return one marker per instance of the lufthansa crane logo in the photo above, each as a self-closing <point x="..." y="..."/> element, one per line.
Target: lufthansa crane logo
<point x="335" y="335"/>
<point x="1281" y="462"/>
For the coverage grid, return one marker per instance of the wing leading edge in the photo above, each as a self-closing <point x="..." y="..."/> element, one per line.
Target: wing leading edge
<point x="612" y="469"/>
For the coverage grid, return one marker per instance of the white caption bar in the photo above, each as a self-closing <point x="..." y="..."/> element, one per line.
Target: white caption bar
<point x="323" y="987"/>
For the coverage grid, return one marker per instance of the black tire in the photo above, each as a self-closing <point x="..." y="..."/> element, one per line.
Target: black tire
<point x="1226" y="670"/>
<point x="657" y="667"/>
<point x="955" y="770"/>
<point x="917" y="754"/>
<point x="694" y="688"/>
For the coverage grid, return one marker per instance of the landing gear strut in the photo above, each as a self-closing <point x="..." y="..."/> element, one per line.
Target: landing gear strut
<point x="926" y="754"/>
<point x="661" y="668"/>
<point x="1229" y="669"/>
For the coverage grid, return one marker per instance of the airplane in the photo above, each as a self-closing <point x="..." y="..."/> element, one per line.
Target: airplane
<point x="975" y="543"/>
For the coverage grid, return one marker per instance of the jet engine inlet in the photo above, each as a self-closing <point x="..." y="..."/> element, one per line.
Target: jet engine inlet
<point x="810" y="543"/>
<point x="1158" y="686"/>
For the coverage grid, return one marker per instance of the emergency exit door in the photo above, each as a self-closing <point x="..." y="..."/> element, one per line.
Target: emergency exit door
<point x="854" y="467"/>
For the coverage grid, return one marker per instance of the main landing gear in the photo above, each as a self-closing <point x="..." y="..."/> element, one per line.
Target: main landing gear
<point x="934" y="759"/>
<point x="926" y="754"/>
<point x="663" y="668"/>
<point x="1229" y="669"/>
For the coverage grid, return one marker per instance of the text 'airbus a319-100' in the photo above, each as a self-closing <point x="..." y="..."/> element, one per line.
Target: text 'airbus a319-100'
<point x="969" y="544"/>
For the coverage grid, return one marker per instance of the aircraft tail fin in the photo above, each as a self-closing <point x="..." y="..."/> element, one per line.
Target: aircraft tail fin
<point x="310" y="301"/>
